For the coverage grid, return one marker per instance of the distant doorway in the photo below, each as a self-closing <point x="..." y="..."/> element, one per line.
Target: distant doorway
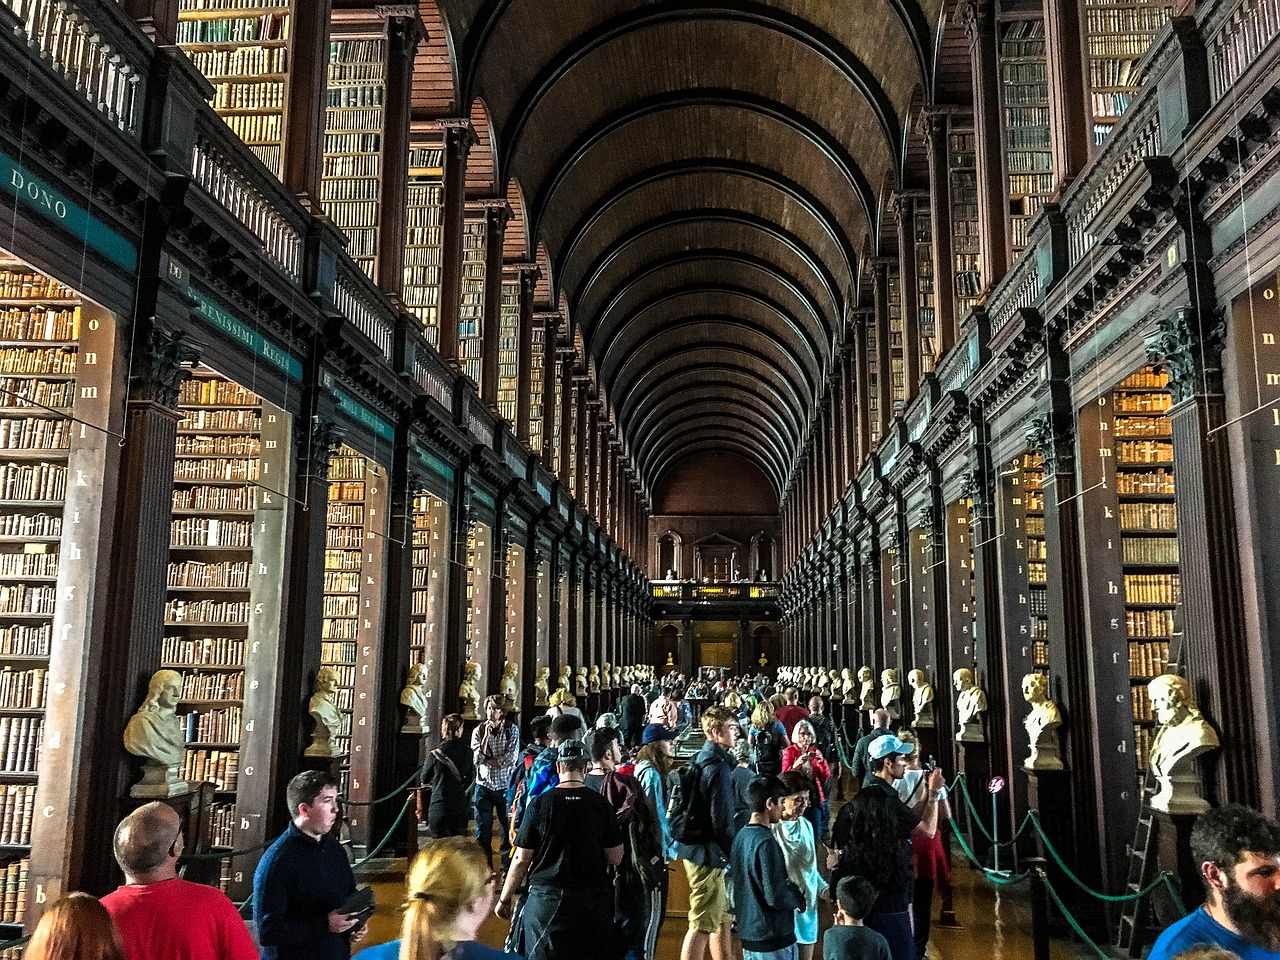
<point x="715" y="654"/>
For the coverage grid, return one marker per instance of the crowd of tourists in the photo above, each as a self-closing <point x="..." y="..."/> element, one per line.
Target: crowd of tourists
<point x="590" y="815"/>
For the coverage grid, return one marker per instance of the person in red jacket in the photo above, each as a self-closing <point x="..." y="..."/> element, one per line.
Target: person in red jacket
<point x="804" y="757"/>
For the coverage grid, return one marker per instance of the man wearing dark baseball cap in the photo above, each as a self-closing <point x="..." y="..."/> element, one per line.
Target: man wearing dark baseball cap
<point x="884" y="826"/>
<point x="568" y="840"/>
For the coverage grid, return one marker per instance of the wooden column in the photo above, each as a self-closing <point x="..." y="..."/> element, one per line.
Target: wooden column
<point x="497" y="215"/>
<point x="580" y="397"/>
<point x="497" y="574"/>
<point x="550" y="413"/>
<point x="459" y="136"/>
<point x="528" y="274"/>
<point x="568" y="404"/>
<point x="904" y="209"/>
<point x="840" y="430"/>
<point x="978" y="17"/>
<point x="404" y="31"/>
<point x="302" y="147"/>
<point x="884" y="352"/>
<point x="849" y="439"/>
<point x="460" y="517"/>
<point x="1070" y="122"/>
<point x="933" y="127"/>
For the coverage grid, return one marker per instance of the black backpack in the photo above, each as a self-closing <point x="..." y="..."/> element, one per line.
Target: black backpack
<point x="768" y="746"/>
<point x="688" y="812"/>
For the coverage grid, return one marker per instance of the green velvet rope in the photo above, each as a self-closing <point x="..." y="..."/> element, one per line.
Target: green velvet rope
<point x="962" y="783"/>
<point x="1071" y="920"/>
<point x="1106" y="897"/>
<point x="993" y="876"/>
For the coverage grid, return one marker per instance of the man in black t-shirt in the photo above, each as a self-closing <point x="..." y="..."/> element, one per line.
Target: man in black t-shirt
<point x="568" y="843"/>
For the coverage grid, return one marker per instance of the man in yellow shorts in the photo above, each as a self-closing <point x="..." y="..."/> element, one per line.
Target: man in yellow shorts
<point x="706" y="863"/>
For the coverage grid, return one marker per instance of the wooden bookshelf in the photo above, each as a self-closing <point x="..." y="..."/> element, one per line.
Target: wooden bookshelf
<point x="1147" y="517"/>
<point x="243" y="49"/>
<point x="355" y="542"/>
<point x="924" y="287"/>
<point x="1118" y="34"/>
<point x="430" y="556"/>
<point x="873" y="382"/>
<point x="1037" y="559"/>
<point x="508" y="349"/>
<point x="897" y="379"/>
<point x="471" y="308"/>
<point x="351" y="180"/>
<point x="479" y="560"/>
<point x="962" y="172"/>
<point x="1024" y="92"/>
<point x="537" y="374"/>
<point x="224" y="587"/>
<point x="557" y="402"/>
<point x="960" y="582"/>
<point x="424" y="238"/>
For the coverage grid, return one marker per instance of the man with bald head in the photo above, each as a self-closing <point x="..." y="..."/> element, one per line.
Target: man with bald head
<point x="158" y="913"/>
<point x="862" y="774"/>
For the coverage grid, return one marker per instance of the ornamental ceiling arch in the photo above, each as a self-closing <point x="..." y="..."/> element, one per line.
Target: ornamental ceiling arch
<point x="702" y="179"/>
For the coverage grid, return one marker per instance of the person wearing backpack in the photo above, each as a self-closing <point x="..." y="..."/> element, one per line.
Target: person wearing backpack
<point x="768" y="740"/>
<point x="701" y="821"/>
<point x="654" y="763"/>
<point x="449" y="770"/>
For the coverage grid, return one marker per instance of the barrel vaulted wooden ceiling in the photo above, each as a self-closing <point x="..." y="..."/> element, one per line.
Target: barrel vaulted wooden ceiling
<point x="707" y="179"/>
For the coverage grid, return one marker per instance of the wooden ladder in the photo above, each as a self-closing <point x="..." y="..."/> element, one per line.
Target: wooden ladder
<point x="1142" y="870"/>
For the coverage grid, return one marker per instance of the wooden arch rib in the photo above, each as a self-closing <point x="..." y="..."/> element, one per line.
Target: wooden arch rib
<point x="482" y="164"/>
<point x="742" y="385"/>
<point x="735" y="420"/>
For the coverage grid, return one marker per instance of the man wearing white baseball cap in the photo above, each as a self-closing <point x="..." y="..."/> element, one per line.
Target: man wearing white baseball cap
<point x="874" y="841"/>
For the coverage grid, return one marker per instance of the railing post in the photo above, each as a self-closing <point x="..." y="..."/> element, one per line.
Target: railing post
<point x="1039" y="909"/>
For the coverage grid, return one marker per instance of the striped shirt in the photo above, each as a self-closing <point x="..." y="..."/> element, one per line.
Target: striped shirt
<point x="496" y="758"/>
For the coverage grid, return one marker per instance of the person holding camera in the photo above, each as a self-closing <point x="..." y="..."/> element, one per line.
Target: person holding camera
<point x="933" y="870"/>
<point x="804" y="756"/>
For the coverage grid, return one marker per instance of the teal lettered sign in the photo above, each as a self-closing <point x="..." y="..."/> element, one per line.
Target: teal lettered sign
<point x="35" y="193"/>
<point x="362" y="416"/>
<point x="243" y="334"/>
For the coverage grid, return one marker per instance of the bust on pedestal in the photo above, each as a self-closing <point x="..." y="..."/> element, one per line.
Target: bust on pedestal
<point x="921" y="699"/>
<point x="1184" y="735"/>
<point x="155" y="734"/>
<point x="580" y="682"/>
<point x="971" y="703"/>
<point x="541" y="692"/>
<point x="415" y="696"/>
<point x="890" y="692"/>
<point x="323" y="708"/>
<point x="848" y="686"/>
<point x="509" y="688"/>
<point x="469" y="691"/>
<point x="866" y="689"/>
<point x="1041" y="724"/>
<point x="593" y="679"/>
<point x="566" y="678"/>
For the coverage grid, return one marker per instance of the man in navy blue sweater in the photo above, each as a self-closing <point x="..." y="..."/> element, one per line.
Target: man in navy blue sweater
<point x="304" y="878"/>
<point x="765" y="898"/>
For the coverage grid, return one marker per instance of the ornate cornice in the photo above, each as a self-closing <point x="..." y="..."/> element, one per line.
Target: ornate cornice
<point x="1189" y="343"/>
<point x="161" y="363"/>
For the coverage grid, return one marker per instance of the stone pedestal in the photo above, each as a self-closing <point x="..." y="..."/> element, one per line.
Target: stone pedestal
<point x="1049" y="795"/>
<point x="1171" y="846"/>
<point x="159" y="782"/>
<point x="975" y="764"/>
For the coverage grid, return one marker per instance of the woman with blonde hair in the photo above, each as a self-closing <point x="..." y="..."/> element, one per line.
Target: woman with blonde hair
<point x="450" y="891"/>
<point x="562" y="702"/>
<point x="77" y="927"/>
<point x="768" y="739"/>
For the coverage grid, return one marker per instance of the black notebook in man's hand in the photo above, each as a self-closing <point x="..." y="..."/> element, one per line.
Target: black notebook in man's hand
<point x="360" y="905"/>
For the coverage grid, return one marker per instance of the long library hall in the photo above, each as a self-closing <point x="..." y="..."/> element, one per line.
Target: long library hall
<point x="759" y="380"/>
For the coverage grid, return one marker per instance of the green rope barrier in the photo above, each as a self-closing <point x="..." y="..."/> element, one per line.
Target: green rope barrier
<point x="1072" y="922"/>
<point x="385" y="840"/>
<point x="19" y="942"/>
<point x="977" y="821"/>
<point x="226" y="854"/>
<point x="987" y="872"/>
<point x="1105" y="897"/>
<point x="394" y="793"/>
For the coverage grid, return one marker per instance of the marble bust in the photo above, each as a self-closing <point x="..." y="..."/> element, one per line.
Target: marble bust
<point x="1041" y="724"/>
<point x="580" y="682"/>
<point x="469" y="691"/>
<point x="541" y="692"/>
<point x="866" y="689"/>
<point x="566" y="678"/>
<point x="593" y="679"/>
<point x="848" y="686"/>
<point x="606" y="676"/>
<point x="156" y="735"/>
<point x="890" y="691"/>
<point x="1183" y="736"/>
<point x="508" y="687"/>
<point x="323" y="708"/>
<point x="971" y="703"/>
<point x="921" y="699"/>
<point x="416" y="696"/>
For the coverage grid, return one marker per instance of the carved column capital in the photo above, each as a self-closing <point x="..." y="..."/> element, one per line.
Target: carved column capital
<point x="322" y="443"/>
<point x="459" y="135"/>
<point x="1189" y="344"/>
<point x="161" y="362"/>
<point x="404" y="29"/>
<point x="497" y="213"/>
<point x="1053" y="442"/>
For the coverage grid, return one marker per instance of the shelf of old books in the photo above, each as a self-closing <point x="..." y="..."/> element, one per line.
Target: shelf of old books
<point x="430" y="572"/>
<point x="350" y="185"/>
<point x="1118" y="34"/>
<point x="873" y="382"/>
<point x="537" y="374"/>
<point x="242" y="48"/>
<point x="424" y="237"/>
<point x="471" y="306"/>
<point x="962" y="171"/>
<point x="355" y="532"/>
<point x="961" y="587"/>
<point x="1037" y="555"/>
<point x="897" y="380"/>
<point x="479" y="559"/>
<point x="55" y="361"/>
<point x="508" y="349"/>
<point x="224" y="586"/>
<point x="1148" y="520"/>
<point x="924" y="287"/>
<point x="1024" y="93"/>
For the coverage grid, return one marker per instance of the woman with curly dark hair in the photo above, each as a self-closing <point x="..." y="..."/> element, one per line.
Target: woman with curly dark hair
<point x="873" y="838"/>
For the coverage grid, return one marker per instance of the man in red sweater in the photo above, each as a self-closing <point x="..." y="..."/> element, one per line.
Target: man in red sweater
<point x="792" y="713"/>
<point x="159" y="914"/>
